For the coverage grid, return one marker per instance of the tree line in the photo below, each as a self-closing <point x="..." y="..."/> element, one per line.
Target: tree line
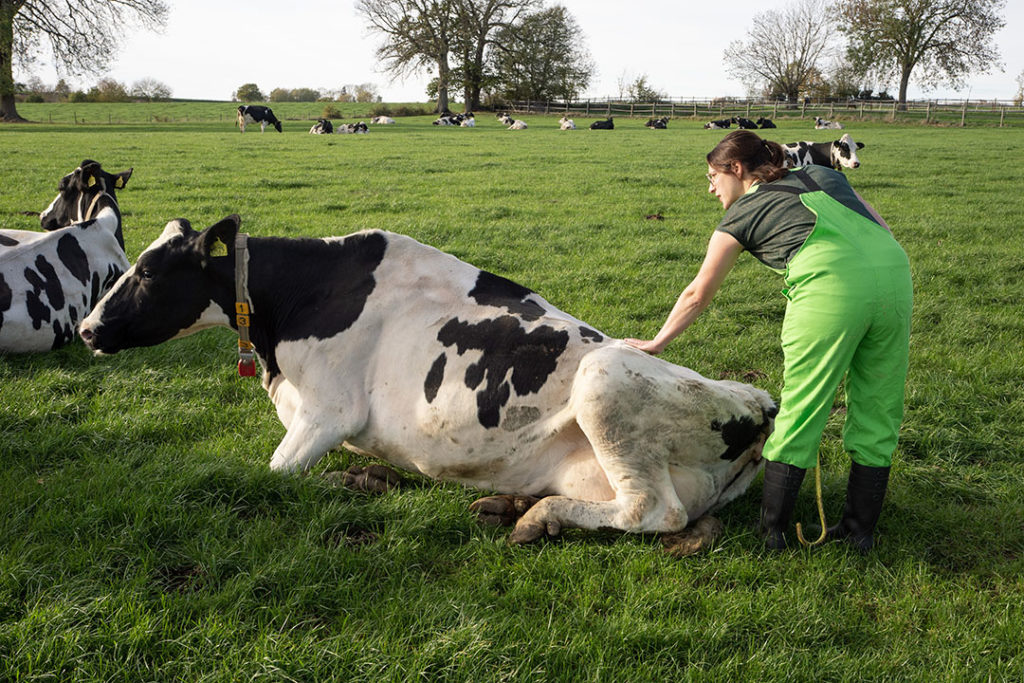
<point x="522" y="50"/>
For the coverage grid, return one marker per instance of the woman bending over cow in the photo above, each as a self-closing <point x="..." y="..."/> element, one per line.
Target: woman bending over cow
<point x="848" y="315"/>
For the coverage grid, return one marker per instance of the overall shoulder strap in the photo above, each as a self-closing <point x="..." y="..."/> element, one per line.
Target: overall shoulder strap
<point x="800" y="174"/>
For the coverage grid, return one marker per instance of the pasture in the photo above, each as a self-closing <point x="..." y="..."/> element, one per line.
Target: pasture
<point x="142" y="536"/>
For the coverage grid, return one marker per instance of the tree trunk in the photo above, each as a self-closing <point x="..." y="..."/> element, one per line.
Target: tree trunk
<point x="442" y="84"/>
<point x="904" y="81"/>
<point x="8" y="112"/>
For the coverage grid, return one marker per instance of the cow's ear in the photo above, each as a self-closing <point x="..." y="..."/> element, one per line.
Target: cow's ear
<point x="218" y="240"/>
<point x="121" y="179"/>
<point x="860" y="145"/>
<point x="90" y="170"/>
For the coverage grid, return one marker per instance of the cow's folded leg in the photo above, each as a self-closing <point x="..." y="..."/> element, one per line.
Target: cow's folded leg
<point x="371" y="479"/>
<point x="307" y="440"/>
<point x="502" y="510"/>
<point x="693" y="539"/>
<point x="636" y="513"/>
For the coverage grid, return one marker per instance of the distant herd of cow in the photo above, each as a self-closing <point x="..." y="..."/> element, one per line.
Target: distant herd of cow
<point x="493" y="386"/>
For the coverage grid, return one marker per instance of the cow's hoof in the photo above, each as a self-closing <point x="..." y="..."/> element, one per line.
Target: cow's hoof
<point x="371" y="479"/>
<point x="529" y="531"/>
<point x="501" y="510"/>
<point x="694" y="539"/>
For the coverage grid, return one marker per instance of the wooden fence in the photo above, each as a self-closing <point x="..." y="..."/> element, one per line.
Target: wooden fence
<point x="942" y="112"/>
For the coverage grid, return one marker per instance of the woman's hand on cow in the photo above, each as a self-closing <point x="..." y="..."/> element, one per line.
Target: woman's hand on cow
<point x="645" y="345"/>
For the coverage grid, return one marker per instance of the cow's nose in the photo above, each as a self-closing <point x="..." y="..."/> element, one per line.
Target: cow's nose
<point x="856" y="164"/>
<point x="86" y="334"/>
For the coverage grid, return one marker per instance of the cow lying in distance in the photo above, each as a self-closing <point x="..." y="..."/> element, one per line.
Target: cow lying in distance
<point x="348" y="128"/>
<point x="322" y="127"/>
<point x="838" y="154"/>
<point x="822" y="124"/>
<point x="657" y="124"/>
<point x="745" y="124"/>
<point x="382" y="121"/>
<point x="464" y="120"/>
<point x="256" y="113"/>
<point x="607" y="124"/>
<point x="50" y="280"/>
<point x="407" y="354"/>
<point x="720" y="123"/>
<point x="565" y="123"/>
<point x="765" y="123"/>
<point x="513" y="124"/>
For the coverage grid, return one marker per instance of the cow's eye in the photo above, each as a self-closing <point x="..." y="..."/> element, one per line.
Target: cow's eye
<point x="146" y="274"/>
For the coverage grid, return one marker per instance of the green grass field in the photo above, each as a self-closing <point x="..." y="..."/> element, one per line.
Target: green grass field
<point x="143" y="537"/>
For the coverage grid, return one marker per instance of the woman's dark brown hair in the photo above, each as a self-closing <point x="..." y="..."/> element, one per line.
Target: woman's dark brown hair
<point x="761" y="158"/>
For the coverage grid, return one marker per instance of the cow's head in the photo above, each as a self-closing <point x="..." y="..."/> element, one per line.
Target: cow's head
<point x="844" y="152"/>
<point x="182" y="283"/>
<point x="76" y="191"/>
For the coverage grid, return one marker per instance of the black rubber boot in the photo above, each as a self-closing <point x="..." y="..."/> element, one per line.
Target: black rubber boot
<point x="865" y="492"/>
<point x="781" y="484"/>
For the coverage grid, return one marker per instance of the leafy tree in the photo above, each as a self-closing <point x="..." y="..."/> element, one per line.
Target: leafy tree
<point x="150" y="89"/>
<point x="418" y="34"/>
<point x="249" y="92"/>
<point x="542" y="56"/>
<point x="62" y="90"/>
<point x="642" y="91"/>
<point x="942" y="40"/>
<point x="781" y="53"/>
<point x="478" y="24"/>
<point x="280" y="95"/>
<point x="82" y="35"/>
<point x="108" y="90"/>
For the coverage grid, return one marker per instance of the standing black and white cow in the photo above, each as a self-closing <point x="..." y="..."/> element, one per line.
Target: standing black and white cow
<point x="408" y="354"/>
<point x="838" y="154"/>
<point x="50" y="280"/>
<point x="257" y="113"/>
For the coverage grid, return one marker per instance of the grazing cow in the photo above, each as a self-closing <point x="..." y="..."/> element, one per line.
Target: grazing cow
<point x="838" y="154"/>
<point x="720" y="123"/>
<point x="513" y="124"/>
<point x="745" y="124"/>
<point x="255" y="113"/>
<point x="382" y="121"/>
<point x="405" y="353"/>
<point x="565" y="123"/>
<point x="50" y="280"/>
<point x="322" y="127"/>
<point x="357" y="128"/>
<point x="822" y="124"/>
<point x="607" y="124"/>
<point x="657" y="124"/>
<point x="765" y="123"/>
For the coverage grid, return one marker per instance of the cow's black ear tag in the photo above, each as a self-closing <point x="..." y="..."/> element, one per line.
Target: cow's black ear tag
<point x="218" y="248"/>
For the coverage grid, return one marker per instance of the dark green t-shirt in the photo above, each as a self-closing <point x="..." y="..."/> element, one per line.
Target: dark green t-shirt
<point x="772" y="226"/>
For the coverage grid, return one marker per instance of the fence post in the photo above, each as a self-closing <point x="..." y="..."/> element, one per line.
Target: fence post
<point x="1002" y="115"/>
<point x="803" y="108"/>
<point x="831" y="109"/>
<point x="775" y="110"/>
<point x="928" y="111"/>
<point x="963" y="115"/>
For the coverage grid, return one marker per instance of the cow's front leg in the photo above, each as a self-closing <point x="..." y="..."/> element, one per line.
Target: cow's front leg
<point x="309" y="437"/>
<point x="502" y="510"/>
<point x="630" y="511"/>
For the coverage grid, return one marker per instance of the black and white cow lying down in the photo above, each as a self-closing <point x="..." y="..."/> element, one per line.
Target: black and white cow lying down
<point x="407" y="354"/>
<point x="838" y="154"/>
<point x="257" y="113"/>
<point x="50" y="280"/>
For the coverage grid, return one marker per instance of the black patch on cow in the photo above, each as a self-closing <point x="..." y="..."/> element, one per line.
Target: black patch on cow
<point x="531" y="356"/>
<point x="63" y="334"/>
<point x="6" y="297"/>
<point x="73" y="257"/>
<point x="43" y="279"/>
<point x="340" y="280"/>
<point x="589" y="335"/>
<point x="6" y="241"/>
<point x="494" y="290"/>
<point x="738" y="434"/>
<point x="434" y="378"/>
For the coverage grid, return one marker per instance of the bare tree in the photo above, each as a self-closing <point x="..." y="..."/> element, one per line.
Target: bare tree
<point x="418" y="34"/>
<point x="150" y="89"/>
<point x="82" y="35"/>
<point x="783" y="52"/>
<point x="947" y="39"/>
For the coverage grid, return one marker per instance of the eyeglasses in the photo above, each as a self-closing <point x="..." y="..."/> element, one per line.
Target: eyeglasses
<point x="714" y="176"/>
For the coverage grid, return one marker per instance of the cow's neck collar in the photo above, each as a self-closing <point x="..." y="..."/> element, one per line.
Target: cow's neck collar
<point x="243" y="307"/>
<point x="92" y="205"/>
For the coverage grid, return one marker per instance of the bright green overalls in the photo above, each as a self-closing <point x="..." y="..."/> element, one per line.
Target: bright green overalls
<point x="848" y="313"/>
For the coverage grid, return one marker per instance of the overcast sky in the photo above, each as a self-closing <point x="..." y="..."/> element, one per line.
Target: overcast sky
<point x="210" y="47"/>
